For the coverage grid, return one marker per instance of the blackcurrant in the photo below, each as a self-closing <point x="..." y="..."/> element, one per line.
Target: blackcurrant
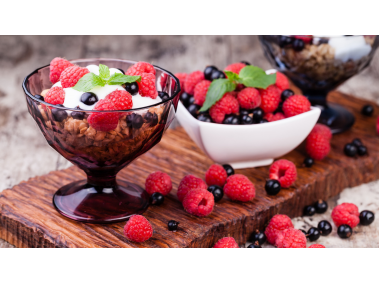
<point x="78" y="115"/>
<point x="132" y="88"/>
<point x="309" y="210"/>
<point x="313" y="234"/>
<point x="156" y="199"/>
<point x="357" y="142"/>
<point x="244" y="112"/>
<point x="258" y="236"/>
<point x="257" y="114"/>
<point x="246" y="120"/>
<point x="350" y="150"/>
<point x="283" y="40"/>
<point x="321" y="206"/>
<point x="229" y="169"/>
<point x="231" y="120"/>
<point x="308" y="162"/>
<point x="367" y="110"/>
<point x="286" y="94"/>
<point x="163" y="95"/>
<point x="254" y="246"/>
<point x="191" y="100"/>
<point x="39" y="97"/>
<point x="362" y="150"/>
<point x="209" y="71"/>
<point x="130" y="118"/>
<point x="366" y="217"/>
<point x="184" y="98"/>
<point x="172" y="225"/>
<point x="344" y="231"/>
<point x="137" y="121"/>
<point x="263" y="121"/>
<point x="217" y="75"/>
<point x="217" y="192"/>
<point x="89" y="98"/>
<point x="194" y="110"/>
<point x="272" y="187"/>
<point x="151" y="118"/>
<point x="204" y="118"/>
<point x="59" y="114"/>
<point x="298" y="44"/>
<point x="324" y="227"/>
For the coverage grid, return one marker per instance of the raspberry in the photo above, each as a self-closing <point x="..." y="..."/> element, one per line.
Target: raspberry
<point x="295" y="105"/>
<point x="55" y="95"/>
<point x="291" y="238"/>
<point x="103" y="121"/>
<point x="57" y="66"/>
<point x="274" y="117"/>
<point x="235" y="68"/>
<point x="198" y="202"/>
<point x="316" y="246"/>
<point x="139" y="68"/>
<point x="282" y="82"/>
<point x="226" y="243"/>
<point x="192" y="80"/>
<point x="158" y="182"/>
<point x="249" y="98"/>
<point x="317" y="146"/>
<point x="284" y="171"/>
<point x="71" y="75"/>
<point x="138" y="229"/>
<point x="200" y="92"/>
<point x="346" y="213"/>
<point x="322" y="130"/>
<point x="121" y="100"/>
<point x="270" y="98"/>
<point x="147" y="86"/>
<point x="277" y="224"/>
<point x="238" y="187"/>
<point x="216" y="175"/>
<point x="228" y="104"/>
<point x="188" y="183"/>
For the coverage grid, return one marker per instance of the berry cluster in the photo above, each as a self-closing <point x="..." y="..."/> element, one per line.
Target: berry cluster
<point x="354" y="148"/>
<point x="283" y="174"/>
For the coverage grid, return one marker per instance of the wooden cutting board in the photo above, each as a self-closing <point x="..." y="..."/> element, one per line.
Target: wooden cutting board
<point x="28" y="218"/>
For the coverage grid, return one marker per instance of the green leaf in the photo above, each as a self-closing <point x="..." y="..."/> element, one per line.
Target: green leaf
<point x="104" y="72"/>
<point x="88" y="82"/>
<point x="252" y="76"/>
<point x="119" y="79"/>
<point x="216" y="91"/>
<point x="233" y="77"/>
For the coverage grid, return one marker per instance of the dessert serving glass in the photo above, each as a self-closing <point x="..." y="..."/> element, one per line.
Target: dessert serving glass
<point x="101" y="155"/>
<point x="319" y="64"/>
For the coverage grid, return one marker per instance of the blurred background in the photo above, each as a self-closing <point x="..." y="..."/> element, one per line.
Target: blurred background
<point x="24" y="152"/>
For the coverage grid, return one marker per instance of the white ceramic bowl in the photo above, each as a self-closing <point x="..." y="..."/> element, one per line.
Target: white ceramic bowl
<point x="246" y="146"/>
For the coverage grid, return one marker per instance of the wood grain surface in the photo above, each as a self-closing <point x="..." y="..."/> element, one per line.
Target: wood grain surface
<point x="28" y="218"/>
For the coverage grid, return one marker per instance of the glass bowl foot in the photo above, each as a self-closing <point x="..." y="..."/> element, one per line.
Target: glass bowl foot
<point x="84" y="202"/>
<point x="337" y="118"/>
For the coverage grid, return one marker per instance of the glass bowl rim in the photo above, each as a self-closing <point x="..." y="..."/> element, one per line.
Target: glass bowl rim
<point x="176" y="91"/>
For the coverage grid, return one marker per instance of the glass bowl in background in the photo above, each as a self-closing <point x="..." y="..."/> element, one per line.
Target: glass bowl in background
<point x="319" y="64"/>
<point x="101" y="155"/>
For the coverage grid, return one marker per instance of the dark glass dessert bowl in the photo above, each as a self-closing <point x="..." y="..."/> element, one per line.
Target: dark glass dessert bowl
<point x="318" y="65"/>
<point x="101" y="155"/>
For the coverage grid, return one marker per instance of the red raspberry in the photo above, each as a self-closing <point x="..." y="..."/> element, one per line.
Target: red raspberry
<point x="291" y="238"/>
<point x="270" y="98"/>
<point x="188" y="183"/>
<point x="346" y="213"/>
<point x="282" y="82"/>
<point x="277" y="224"/>
<point x="226" y="243"/>
<point x="147" y="86"/>
<point x="182" y="79"/>
<point x="274" y="117"/>
<point x="139" y="68"/>
<point x="322" y="130"/>
<point x="71" y="75"/>
<point x="228" y="104"/>
<point x="158" y="182"/>
<point x="284" y="171"/>
<point x="121" y="100"/>
<point x="138" y="229"/>
<point x="192" y="80"/>
<point x="198" y="202"/>
<point x="235" y="68"/>
<point x="295" y="105"/>
<point x="317" y="146"/>
<point x="316" y="246"/>
<point x="55" y="95"/>
<point x="57" y="66"/>
<point x="200" y="92"/>
<point x="238" y="187"/>
<point x="216" y="175"/>
<point x="102" y="121"/>
<point x="249" y="98"/>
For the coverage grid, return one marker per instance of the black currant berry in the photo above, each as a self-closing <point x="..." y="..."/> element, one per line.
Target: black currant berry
<point x="137" y="121"/>
<point x="321" y="206"/>
<point x="357" y="142"/>
<point x="244" y="112"/>
<point x="231" y="120"/>
<point x="350" y="150"/>
<point x="156" y="199"/>
<point x="132" y="88"/>
<point x="246" y="120"/>
<point x="217" y="75"/>
<point x="217" y="192"/>
<point x="184" y="98"/>
<point x="309" y="210"/>
<point x="151" y="118"/>
<point x="204" y="118"/>
<point x="229" y="169"/>
<point x="172" y="225"/>
<point x="362" y="150"/>
<point x="272" y="187"/>
<point x="367" y="110"/>
<point x="254" y="246"/>
<point x="78" y="115"/>
<point x="313" y="234"/>
<point x="39" y="97"/>
<point x="286" y="94"/>
<point x="283" y="40"/>
<point x="246" y="63"/>
<point x="324" y="227"/>
<point x="191" y="100"/>
<point x="59" y="114"/>
<point x="89" y="98"/>
<point x="308" y="162"/>
<point x="194" y="110"/>
<point x="258" y="236"/>
<point x="257" y="115"/>
<point x="366" y="217"/>
<point x="121" y="70"/>
<point x="209" y="71"/>
<point x="344" y="231"/>
<point x="163" y="95"/>
<point x="298" y="44"/>
<point x="263" y="121"/>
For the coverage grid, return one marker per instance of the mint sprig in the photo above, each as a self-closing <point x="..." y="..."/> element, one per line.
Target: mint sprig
<point x="252" y="76"/>
<point x="91" y="80"/>
<point x="216" y="91"/>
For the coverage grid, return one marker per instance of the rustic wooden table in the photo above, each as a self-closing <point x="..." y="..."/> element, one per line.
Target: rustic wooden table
<point x="24" y="152"/>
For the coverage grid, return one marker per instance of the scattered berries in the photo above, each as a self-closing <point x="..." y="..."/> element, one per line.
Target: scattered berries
<point x="344" y="231"/>
<point x="147" y="86"/>
<point x="216" y="175"/>
<point x="309" y="210"/>
<point x="362" y="150"/>
<point x="350" y="150"/>
<point x="270" y="98"/>
<point x="71" y="75"/>
<point x="192" y="80"/>
<point x="55" y="95"/>
<point x="322" y="130"/>
<point x="284" y="171"/>
<point x="227" y="242"/>
<point x="324" y="227"/>
<point x="156" y="199"/>
<point x="321" y="206"/>
<point x="121" y="100"/>
<point x="229" y="169"/>
<point x="139" y="68"/>
<point x="228" y="104"/>
<point x="277" y="224"/>
<point x="249" y="98"/>
<point x="238" y="187"/>
<point x="291" y="238"/>
<point x="313" y="234"/>
<point x="308" y="162"/>
<point x="295" y="105"/>
<point x="367" y="110"/>
<point x="317" y="146"/>
<point x="158" y="182"/>
<point x="258" y="236"/>
<point x="282" y="82"/>
<point x="346" y="213"/>
<point x="138" y="229"/>
<point x="57" y="66"/>
<point x="188" y="183"/>
<point x="235" y="68"/>
<point x="200" y="92"/>
<point x="198" y="202"/>
<point x="366" y="217"/>
<point x="172" y="225"/>
<point x="272" y="187"/>
<point x="216" y="191"/>
<point x="316" y="246"/>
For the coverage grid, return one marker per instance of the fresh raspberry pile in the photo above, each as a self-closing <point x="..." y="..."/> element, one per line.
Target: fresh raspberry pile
<point x="295" y="105"/>
<point x="277" y="224"/>
<point x="316" y="246"/>
<point x="284" y="171"/>
<point x="317" y="144"/>
<point x="282" y="82"/>
<point x="249" y="98"/>
<point x="235" y="68"/>
<point x="158" y="182"/>
<point x="192" y="80"/>
<point x="138" y="229"/>
<point x="57" y="66"/>
<point x="121" y="100"/>
<point x="188" y="183"/>
<point x="270" y="98"/>
<point x="71" y="75"/>
<point x="216" y="175"/>
<point x="226" y="105"/>
<point x="226" y="243"/>
<point x="198" y="202"/>
<point x="200" y="92"/>
<point x="182" y="79"/>
<point x="146" y="86"/>
<point x="322" y="130"/>
<point x="291" y="238"/>
<point x="55" y="95"/>
<point x="346" y="213"/>
<point x="139" y="68"/>
<point x="238" y="187"/>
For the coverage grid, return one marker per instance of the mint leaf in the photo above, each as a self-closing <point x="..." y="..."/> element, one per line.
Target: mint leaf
<point x="104" y="72"/>
<point x="88" y="82"/>
<point x="119" y="79"/>
<point x="216" y="91"/>
<point x="233" y="77"/>
<point x="252" y="76"/>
